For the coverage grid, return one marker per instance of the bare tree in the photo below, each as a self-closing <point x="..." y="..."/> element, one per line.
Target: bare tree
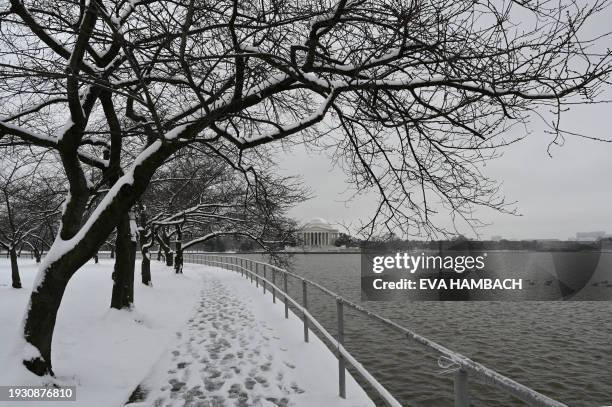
<point x="236" y="215"/>
<point x="412" y="95"/>
<point x="41" y="239"/>
<point x="197" y="198"/>
<point x="180" y="184"/>
<point x="28" y="206"/>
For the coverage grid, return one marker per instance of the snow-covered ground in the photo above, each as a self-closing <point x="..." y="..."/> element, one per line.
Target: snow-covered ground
<point x="208" y="336"/>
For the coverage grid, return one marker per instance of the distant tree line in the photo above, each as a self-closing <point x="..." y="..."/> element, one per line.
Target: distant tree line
<point x="464" y="244"/>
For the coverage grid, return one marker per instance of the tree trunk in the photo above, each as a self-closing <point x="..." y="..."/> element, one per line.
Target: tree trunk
<point x="45" y="301"/>
<point x="164" y="244"/>
<point x="145" y="265"/>
<point x="37" y="256"/>
<point x="123" y="273"/>
<point x="40" y="320"/>
<point x="96" y="258"/>
<point x="169" y="257"/>
<point x="47" y="294"/>
<point x="178" y="260"/>
<point x="52" y="280"/>
<point x="15" y="269"/>
<point x="145" y="268"/>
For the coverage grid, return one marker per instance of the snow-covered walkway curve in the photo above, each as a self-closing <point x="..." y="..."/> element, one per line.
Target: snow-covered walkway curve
<point x="238" y="350"/>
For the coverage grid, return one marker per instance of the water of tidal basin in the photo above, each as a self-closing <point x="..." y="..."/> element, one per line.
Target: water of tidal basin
<point x="562" y="349"/>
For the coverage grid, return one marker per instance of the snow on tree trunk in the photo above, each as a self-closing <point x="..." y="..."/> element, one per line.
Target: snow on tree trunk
<point x="178" y="261"/>
<point x="15" y="269"/>
<point x="145" y="265"/>
<point x="57" y="268"/>
<point x="40" y="319"/>
<point x="123" y="274"/>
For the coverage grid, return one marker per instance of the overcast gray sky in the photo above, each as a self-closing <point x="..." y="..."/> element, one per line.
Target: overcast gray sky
<point x="557" y="196"/>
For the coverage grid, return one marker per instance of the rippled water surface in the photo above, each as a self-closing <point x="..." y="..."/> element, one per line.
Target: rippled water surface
<point x="562" y="349"/>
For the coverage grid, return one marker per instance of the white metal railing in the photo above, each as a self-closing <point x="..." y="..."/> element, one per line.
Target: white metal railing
<point x="464" y="367"/>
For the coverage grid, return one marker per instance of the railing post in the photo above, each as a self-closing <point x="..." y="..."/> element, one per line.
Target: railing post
<point x="256" y="273"/>
<point x="341" y="367"/>
<point x="305" y="305"/>
<point x="462" y="398"/>
<point x="285" y="296"/>
<point x="274" y="289"/>
<point x="264" y="278"/>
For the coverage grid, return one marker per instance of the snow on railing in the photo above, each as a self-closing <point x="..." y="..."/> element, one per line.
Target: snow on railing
<point x="463" y="366"/>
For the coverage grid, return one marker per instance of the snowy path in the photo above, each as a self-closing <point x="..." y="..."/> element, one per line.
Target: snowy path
<point x="238" y="350"/>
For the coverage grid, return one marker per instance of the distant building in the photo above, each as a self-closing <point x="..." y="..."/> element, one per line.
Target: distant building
<point x="590" y="236"/>
<point x="496" y="238"/>
<point x="318" y="232"/>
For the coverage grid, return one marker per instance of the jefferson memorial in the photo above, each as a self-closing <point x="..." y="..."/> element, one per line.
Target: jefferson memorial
<point x="318" y="232"/>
